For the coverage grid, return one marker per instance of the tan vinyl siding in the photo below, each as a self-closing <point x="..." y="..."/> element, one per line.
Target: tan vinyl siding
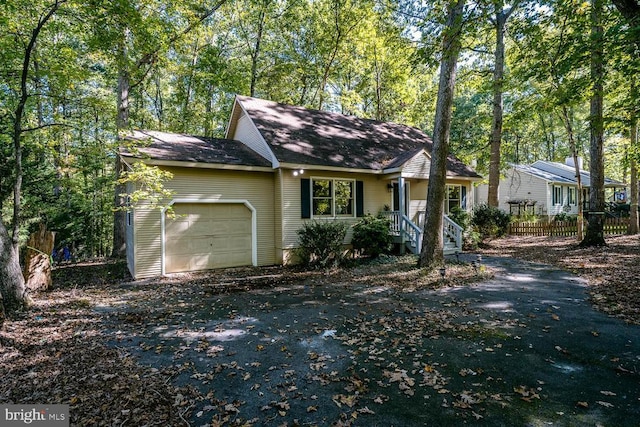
<point x="247" y="133"/>
<point x="129" y="234"/>
<point x="376" y="196"/>
<point x="418" y="194"/>
<point x="520" y="185"/>
<point x="278" y="215"/>
<point x="148" y="244"/>
<point x="198" y="185"/>
<point x="418" y="167"/>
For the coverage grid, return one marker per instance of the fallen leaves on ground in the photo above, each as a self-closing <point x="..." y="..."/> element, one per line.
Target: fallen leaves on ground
<point x="612" y="271"/>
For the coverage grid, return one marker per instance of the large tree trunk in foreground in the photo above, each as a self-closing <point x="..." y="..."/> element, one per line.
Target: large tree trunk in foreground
<point x="12" y="288"/>
<point x="498" y="88"/>
<point x="595" y="227"/>
<point x="37" y="261"/>
<point x="431" y="252"/>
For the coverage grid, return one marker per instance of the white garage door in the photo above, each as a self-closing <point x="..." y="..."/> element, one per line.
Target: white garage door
<point x="207" y="235"/>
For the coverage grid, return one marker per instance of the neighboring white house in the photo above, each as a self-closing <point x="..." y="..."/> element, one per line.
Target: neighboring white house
<point x="547" y="188"/>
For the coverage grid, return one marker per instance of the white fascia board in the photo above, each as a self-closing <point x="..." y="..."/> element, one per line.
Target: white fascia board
<point x="295" y="166"/>
<point x="231" y="119"/>
<point x="201" y="165"/>
<point x="464" y="178"/>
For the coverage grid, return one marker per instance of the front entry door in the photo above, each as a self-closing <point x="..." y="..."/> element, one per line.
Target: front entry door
<point x="396" y="198"/>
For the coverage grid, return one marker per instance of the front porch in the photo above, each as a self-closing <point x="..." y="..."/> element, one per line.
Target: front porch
<point x="408" y="233"/>
<point x="407" y="215"/>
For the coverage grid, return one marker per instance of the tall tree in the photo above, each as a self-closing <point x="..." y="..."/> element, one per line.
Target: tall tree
<point x="633" y="154"/>
<point x="595" y="227"/>
<point x="500" y="23"/>
<point x="431" y="254"/>
<point x="12" y="286"/>
<point x="147" y="57"/>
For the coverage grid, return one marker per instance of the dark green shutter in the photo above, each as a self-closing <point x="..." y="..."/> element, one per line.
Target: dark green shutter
<point x="463" y="196"/>
<point x="305" y="197"/>
<point x="359" y="198"/>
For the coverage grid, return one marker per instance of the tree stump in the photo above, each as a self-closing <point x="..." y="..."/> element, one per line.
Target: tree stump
<point x="37" y="263"/>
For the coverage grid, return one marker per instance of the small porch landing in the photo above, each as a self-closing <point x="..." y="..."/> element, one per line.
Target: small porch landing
<point x="409" y="233"/>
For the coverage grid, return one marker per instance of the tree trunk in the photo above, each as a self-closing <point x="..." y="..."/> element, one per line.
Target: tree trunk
<point x="431" y="252"/>
<point x="633" y="148"/>
<point x="256" y="49"/>
<point x="37" y="262"/>
<point x="496" y="127"/>
<point x="12" y="287"/>
<point x="595" y="227"/>
<point x="122" y="121"/>
<point x="574" y="151"/>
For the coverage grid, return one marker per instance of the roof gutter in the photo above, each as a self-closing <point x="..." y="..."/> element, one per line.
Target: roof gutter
<point x="200" y="165"/>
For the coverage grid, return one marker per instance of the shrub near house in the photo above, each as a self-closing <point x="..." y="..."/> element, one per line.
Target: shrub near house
<point x="371" y="236"/>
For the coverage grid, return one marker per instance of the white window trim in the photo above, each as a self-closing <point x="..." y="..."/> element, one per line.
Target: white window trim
<point x="333" y="197"/>
<point x="447" y="196"/>
<point x="573" y="190"/>
<point x="554" y="200"/>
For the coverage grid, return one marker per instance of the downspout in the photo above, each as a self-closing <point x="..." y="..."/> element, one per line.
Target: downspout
<point x="402" y="209"/>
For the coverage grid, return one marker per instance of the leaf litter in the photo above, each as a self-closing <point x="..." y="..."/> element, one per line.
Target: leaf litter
<point x="64" y="335"/>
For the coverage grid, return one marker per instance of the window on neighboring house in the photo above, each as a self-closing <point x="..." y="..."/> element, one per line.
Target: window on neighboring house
<point x="557" y="195"/>
<point x="571" y="195"/>
<point x="333" y="197"/>
<point x="129" y="212"/>
<point x="454" y="197"/>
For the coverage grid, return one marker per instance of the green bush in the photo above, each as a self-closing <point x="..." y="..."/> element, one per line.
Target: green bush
<point x="490" y="221"/>
<point x="321" y="243"/>
<point x="563" y="216"/>
<point x="460" y="217"/>
<point x="371" y="236"/>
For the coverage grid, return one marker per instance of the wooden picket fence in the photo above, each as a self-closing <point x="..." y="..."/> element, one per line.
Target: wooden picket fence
<point x="612" y="226"/>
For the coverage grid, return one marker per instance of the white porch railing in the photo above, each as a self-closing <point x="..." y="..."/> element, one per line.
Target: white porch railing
<point x="411" y="233"/>
<point x="452" y="234"/>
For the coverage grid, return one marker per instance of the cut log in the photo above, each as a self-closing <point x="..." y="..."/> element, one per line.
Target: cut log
<point x="37" y="262"/>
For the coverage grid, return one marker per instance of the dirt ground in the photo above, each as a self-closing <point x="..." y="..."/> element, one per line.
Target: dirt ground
<point x="83" y="342"/>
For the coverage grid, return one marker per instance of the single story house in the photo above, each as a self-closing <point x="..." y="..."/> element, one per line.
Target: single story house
<point x="240" y="200"/>
<point x="546" y="188"/>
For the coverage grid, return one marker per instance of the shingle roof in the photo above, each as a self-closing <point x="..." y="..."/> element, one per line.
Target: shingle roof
<point x="186" y="148"/>
<point x="562" y="174"/>
<point x="303" y="136"/>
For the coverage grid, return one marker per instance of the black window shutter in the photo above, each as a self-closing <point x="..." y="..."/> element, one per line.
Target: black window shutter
<point x="359" y="198"/>
<point x="305" y="197"/>
<point x="463" y="196"/>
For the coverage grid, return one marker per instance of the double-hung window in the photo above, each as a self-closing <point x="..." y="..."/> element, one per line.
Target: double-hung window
<point x="571" y="195"/>
<point x="332" y="197"/>
<point x="454" y="197"/>
<point x="557" y="195"/>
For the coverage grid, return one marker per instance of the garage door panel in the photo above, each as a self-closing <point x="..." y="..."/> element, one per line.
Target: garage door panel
<point x="208" y="235"/>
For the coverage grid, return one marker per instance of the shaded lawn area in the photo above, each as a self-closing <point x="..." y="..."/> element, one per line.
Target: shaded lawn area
<point x="613" y="271"/>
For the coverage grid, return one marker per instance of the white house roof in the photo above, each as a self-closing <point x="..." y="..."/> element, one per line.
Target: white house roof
<point x="560" y="173"/>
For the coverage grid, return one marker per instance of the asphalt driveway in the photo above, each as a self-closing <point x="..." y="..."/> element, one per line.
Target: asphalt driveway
<point x="524" y="348"/>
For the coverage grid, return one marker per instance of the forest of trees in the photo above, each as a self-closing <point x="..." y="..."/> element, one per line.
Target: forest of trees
<point x="77" y="73"/>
